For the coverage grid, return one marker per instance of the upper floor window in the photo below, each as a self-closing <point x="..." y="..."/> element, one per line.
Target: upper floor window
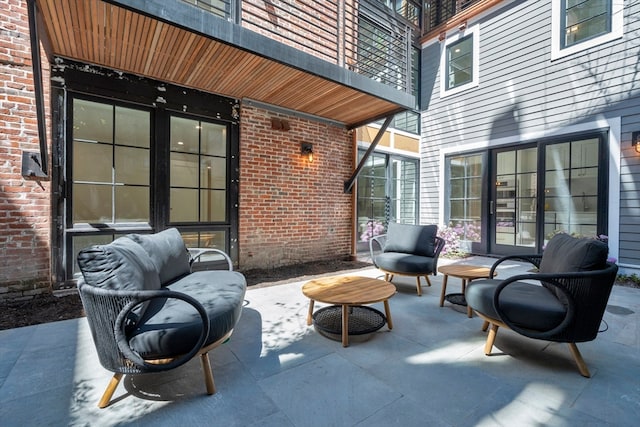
<point x="459" y="64"/>
<point x="584" y="20"/>
<point x="581" y="24"/>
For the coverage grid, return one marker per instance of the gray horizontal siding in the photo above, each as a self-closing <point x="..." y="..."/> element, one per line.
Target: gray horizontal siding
<point x="522" y="91"/>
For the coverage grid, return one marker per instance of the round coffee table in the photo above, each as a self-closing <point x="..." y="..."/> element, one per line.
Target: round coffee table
<point x="465" y="272"/>
<point x="349" y="291"/>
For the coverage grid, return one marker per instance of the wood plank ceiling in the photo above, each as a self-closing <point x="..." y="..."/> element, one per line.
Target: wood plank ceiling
<point x="103" y="34"/>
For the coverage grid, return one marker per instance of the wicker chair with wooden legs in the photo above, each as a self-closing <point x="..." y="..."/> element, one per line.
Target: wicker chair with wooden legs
<point x="563" y="302"/>
<point x="407" y="250"/>
<point x="148" y="312"/>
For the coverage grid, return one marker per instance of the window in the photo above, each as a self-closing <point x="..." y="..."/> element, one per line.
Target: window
<point x="459" y="63"/>
<point x="464" y="204"/>
<point x="584" y="20"/>
<point x="198" y="171"/>
<point x="111" y="164"/>
<point x="581" y="24"/>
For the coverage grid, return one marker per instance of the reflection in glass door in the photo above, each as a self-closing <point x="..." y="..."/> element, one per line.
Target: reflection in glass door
<point x="198" y="182"/>
<point x="571" y="198"/>
<point x="110" y="175"/>
<point x="514" y="205"/>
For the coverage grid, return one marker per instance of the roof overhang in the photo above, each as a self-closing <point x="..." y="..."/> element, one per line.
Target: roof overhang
<point x="178" y="43"/>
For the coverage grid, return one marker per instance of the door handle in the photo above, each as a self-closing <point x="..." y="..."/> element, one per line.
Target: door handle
<point x="491" y="207"/>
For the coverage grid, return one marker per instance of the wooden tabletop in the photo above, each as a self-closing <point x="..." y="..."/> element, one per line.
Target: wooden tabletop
<point x="351" y="290"/>
<point x="465" y="271"/>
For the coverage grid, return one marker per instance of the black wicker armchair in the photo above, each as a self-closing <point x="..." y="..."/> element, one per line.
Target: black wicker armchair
<point x="563" y="302"/>
<point x="407" y="250"/>
<point x="148" y="312"/>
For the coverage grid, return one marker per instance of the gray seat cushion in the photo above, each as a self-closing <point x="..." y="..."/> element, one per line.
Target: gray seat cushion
<point x="405" y="263"/>
<point x="171" y="327"/>
<point x="526" y="305"/>
<point x="411" y="239"/>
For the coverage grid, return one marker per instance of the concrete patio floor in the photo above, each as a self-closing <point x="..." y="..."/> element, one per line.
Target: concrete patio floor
<point x="430" y="370"/>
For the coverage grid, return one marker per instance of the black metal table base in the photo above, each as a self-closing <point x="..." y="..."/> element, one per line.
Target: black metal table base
<point x="457" y="299"/>
<point x="362" y="321"/>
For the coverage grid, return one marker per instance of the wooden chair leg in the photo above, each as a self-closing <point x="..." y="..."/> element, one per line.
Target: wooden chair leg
<point x="582" y="366"/>
<point x="491" y="337"/>
<point x="418" y="286"/>
<point x="428" y="281"/>
<point x="113" y="384"/>
<point x="485" y="326"/>
<point x="208" y="374"/>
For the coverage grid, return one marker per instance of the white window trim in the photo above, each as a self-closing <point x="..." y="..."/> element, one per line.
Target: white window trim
<point x="475" y="32"/>
<point x="617" y="30"/>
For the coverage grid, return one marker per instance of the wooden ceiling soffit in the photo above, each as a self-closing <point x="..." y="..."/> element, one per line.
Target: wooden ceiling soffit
<point x="105" y="34"/>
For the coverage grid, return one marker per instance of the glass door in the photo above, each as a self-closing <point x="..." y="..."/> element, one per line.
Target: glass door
<point x="198" y="180"/>
<point x="571" y="198"/>
<point x="387" y="192"/>
<point x="110" y="174"/>
<point x="539" y="191"/>
<point x="513" y="205"/>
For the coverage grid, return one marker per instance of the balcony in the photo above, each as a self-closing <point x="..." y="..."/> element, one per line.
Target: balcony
<point x="344" y="61"/>
<point x="440" y="16"/>
<point x="362" y="36"/>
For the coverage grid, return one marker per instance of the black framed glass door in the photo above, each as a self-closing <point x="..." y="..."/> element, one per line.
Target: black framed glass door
<point x="528" y="193"/>
<point x="537" y="191"/>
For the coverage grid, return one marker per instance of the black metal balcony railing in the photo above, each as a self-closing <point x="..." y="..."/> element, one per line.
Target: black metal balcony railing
<point x="359" y="35"/>
<point x="437" y="12"/>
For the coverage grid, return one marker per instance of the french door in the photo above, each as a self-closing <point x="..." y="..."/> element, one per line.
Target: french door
<point x="544" y="189"/>
<point x="514" y="199"/>
<point x="126" y="178"/>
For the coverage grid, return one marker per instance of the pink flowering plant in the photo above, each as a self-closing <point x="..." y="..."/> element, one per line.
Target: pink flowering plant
<point x="372" y="228"/>
<point x="454" y="235"/>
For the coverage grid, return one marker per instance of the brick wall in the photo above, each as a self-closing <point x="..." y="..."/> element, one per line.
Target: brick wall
<point x="291" y="210"/>
<point x="24" y="204"/>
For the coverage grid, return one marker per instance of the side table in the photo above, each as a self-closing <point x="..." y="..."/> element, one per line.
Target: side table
<point x="465" y="272"/>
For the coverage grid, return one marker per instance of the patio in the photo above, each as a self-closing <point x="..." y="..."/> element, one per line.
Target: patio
<point x="429" y="370"/>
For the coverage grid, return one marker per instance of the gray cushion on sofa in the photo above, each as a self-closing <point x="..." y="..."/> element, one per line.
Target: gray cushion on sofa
<point x="120" y="265"/>
<point x="565" y="253"/>
<point x="411" y="239"/>
<point x="167" y="251"/>
<point x="171" y="327"/>
<point x="524" y="304"/>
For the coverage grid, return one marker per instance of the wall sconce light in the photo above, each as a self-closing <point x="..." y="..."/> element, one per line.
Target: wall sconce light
<point x="306" y="149"/>
<point x="635" y="141"/>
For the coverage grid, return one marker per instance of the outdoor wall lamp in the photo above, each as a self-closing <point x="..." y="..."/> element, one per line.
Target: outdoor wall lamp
<point x="306" y="149"/>
<point x="635" y="141"/>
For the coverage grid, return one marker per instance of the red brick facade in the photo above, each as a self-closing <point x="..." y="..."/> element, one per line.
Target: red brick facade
<point x="24" y="203"/>
<point x="292" y="210"/>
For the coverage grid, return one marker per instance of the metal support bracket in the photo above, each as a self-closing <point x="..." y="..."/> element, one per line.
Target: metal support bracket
<point x="348" y="185"/>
